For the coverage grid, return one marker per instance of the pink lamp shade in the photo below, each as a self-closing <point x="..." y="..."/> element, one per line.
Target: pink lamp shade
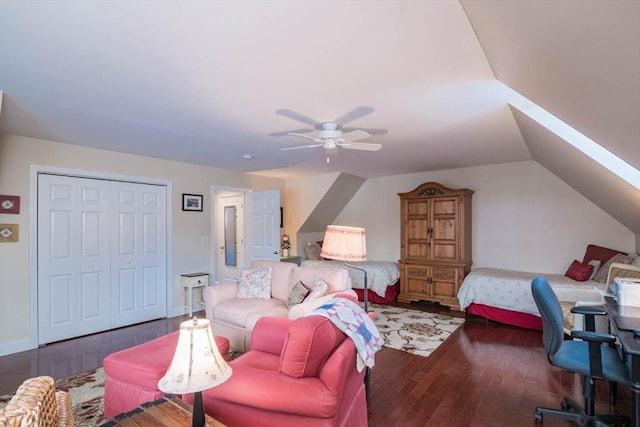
<point x="344" y="243"/>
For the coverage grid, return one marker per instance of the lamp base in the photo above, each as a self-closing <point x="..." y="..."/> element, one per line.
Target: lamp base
<point x="198" y="410"/>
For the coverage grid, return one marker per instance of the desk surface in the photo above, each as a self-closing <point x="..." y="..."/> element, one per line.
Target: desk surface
<point x="625" y="319"/>
<point x="170" y="411"/>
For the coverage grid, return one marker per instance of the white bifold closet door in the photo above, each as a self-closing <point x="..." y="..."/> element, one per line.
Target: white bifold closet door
<point x="101" y="255"/>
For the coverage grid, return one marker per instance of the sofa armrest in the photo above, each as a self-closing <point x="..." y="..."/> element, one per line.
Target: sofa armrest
<point x="299" y="310"/>
<point x="215" y="294"/>
<point x="618" y="269"/>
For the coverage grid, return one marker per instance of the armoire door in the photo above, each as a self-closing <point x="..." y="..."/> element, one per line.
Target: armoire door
<point x="101" y="255"/>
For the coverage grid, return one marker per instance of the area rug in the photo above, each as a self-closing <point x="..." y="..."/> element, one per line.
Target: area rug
<point x="87" y="397"/>
<point x="416" y="332"/>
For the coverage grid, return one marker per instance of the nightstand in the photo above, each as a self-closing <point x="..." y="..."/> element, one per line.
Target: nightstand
<point x="189" y="283"/>
<point x="291" y="259"/>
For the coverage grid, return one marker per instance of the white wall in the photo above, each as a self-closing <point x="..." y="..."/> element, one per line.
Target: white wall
<point x="523" y="217"/>
<point x="17" y="154"/>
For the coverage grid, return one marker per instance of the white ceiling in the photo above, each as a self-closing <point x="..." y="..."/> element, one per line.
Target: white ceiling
<point x="201" y="81"/>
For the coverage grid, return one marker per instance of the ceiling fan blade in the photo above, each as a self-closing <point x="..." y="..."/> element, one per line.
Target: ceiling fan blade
<point x="287" y="132"/>
<point x="354" y="135"/>
<point x="297" y="116"/>
<point x="372" y="131"/>
<point x="312" y="138"/>
<point x="302" y="146"/>
<point x="354" y="114"/>
<point x="366" y="146"/>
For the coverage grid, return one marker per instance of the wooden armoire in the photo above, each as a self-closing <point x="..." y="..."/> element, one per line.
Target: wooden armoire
<point x="435" y="245"/>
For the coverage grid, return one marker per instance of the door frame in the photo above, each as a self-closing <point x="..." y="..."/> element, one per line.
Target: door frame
<point x="33" y="229"/>
<point x="213" y="197"/>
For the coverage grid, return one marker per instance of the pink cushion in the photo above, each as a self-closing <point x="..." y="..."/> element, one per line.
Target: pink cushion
<point x="281" y="282"/>
<point x="600" y="253"/>
<point x="579" y="272"/>
<point x="309" y="342"/>
<point x="337" y="279"/>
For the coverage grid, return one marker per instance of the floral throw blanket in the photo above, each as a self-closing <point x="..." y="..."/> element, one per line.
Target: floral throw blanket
<point x="356" y="324"/>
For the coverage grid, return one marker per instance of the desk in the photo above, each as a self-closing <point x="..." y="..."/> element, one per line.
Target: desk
<point x="631" y="347"/>
<point x="169" y="411"/>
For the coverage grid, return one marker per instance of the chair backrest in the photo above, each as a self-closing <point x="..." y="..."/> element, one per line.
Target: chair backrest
<point x="37" y="403"/>
<point x="550" y="312"/>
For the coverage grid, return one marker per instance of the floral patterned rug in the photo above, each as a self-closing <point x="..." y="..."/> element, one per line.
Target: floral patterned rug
<point x="413" y="331"/>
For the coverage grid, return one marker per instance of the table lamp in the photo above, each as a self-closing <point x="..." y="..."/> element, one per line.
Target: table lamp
<point x="344" y="243"/>
<point x="197" y="365"/>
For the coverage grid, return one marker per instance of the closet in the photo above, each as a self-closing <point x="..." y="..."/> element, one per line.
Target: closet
<point x="101" y="255"/>
<point x="435" y="243"/>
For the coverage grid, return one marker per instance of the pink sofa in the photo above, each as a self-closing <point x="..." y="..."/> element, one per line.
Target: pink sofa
<point x="297" y="373"/>
<point x="235" y="318"/>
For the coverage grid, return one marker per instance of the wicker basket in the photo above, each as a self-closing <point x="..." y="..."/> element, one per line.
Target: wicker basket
<point x="37" y="404"/>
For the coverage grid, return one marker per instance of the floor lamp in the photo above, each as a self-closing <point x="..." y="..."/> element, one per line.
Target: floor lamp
<point x="348" y="244"/>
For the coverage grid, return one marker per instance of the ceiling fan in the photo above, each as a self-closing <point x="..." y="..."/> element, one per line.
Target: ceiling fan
<point x="333" y="134"/>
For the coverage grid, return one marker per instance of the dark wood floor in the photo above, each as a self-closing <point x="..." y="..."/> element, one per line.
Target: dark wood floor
<point x="485" y="374"/>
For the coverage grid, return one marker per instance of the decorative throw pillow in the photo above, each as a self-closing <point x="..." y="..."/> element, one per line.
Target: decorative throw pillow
<point x="312" y="250"/>
<point x="596" y="263"/>
<point x="255" y="283"/>
<point x="319" y="289"/>
<point x="601" y="275"/>
<point x="579" y="272"/>
<point x="298" y="293"/>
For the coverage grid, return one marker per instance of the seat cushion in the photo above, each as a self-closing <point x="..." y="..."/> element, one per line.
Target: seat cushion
<point x="310" y="340"/>
<point x="238" y="312"/>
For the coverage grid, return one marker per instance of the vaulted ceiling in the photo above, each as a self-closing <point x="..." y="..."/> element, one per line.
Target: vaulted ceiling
<point x="203" y="82"/>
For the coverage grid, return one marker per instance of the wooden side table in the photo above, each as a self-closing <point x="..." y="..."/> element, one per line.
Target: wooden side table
<point x="190" y="282"/>
<point x="170" y="411"/>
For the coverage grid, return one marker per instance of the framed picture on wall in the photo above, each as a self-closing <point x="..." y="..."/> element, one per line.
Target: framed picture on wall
<point x="192" y="202"/>
<point x="9" y="204"/>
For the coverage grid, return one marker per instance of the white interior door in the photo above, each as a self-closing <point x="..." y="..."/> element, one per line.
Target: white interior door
<point x="73" y="257"/>
<point x="263" y="225"/>
<point x="101" y="249"/>
<point x="138" y="251"/>
<point x="230" y="270"/>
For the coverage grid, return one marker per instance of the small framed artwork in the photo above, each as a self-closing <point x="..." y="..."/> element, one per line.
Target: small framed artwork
<point x="8" y="232"/>
<point x="192" y="202"/>
<point x="9" y="204"/>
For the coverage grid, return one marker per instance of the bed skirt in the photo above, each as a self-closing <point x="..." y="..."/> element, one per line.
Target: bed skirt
<point x="391" y="294"/>
<point x="501" y="315"/>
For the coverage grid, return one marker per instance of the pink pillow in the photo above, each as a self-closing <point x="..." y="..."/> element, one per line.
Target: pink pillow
<point x="579" y="272"/>
<point x="309" y="343"/>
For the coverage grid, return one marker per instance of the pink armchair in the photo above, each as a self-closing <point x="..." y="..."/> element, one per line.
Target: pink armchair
<point x="297" y="372"/>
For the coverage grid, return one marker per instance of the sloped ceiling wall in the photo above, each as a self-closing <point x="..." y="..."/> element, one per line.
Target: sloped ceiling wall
<point x="581" y="62"/>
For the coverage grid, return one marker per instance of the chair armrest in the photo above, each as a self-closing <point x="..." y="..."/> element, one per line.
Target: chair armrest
<point x="215" y="294"/>
<point x="618" y="269"/>
<point x="269" y="334"/>
<point x="589" y="310"/>
<point x="299" y="310"/>
<point x="597" y="337"/>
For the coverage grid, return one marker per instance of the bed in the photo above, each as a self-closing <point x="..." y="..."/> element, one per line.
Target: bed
<point x="382" y="278"/>
<point x="505" y="295"/>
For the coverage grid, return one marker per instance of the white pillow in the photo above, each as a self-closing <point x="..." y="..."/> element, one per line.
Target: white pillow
<point x="319" y="289"/>
<point x="596" y="263"/>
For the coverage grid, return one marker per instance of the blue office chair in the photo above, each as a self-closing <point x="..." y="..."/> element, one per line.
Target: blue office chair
<point x="588" y="358"/>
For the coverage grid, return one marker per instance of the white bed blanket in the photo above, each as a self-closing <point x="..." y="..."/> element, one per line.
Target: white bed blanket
<point x="380" y="274"/>
<point x="511" y="290"/>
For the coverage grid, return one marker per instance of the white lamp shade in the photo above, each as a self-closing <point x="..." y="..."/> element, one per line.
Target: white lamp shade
<point x="197" y="363"/>
<point x="344" y="243"/>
